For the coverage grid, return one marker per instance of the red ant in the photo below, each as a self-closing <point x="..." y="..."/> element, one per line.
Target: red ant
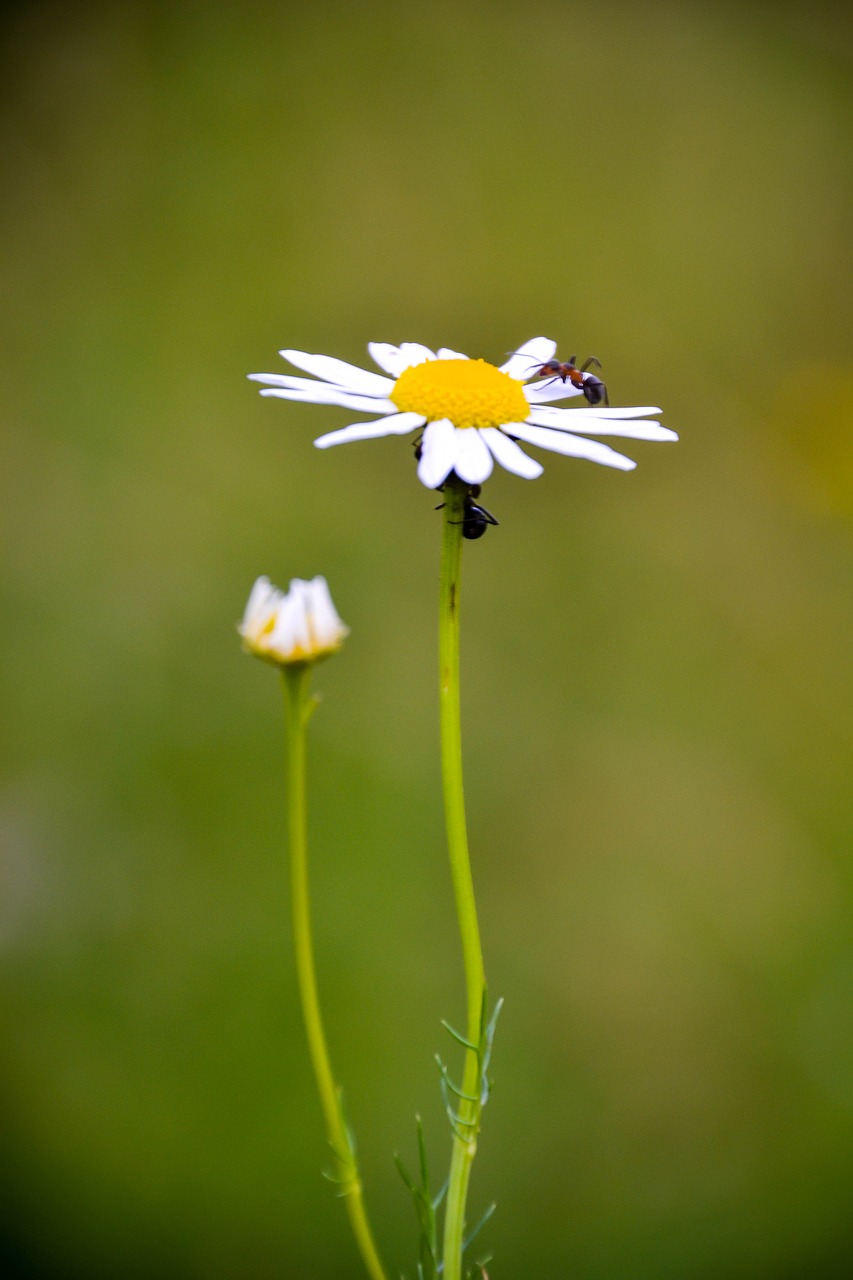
<point x="592" y="388"/>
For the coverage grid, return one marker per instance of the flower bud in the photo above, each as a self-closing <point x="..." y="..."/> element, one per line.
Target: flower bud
<point x="301" y="625"/>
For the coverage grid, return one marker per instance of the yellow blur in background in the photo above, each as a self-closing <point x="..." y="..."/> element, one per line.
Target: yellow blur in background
<point x="656" y="666"/>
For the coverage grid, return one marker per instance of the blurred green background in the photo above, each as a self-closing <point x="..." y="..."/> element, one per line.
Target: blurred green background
<point x="657" y="701"/>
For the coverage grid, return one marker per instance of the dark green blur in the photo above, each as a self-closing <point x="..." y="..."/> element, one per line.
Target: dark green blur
<point x="656" y="665"/>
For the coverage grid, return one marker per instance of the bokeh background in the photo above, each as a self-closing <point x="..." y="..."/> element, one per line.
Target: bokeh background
<point x="657" y="699"/>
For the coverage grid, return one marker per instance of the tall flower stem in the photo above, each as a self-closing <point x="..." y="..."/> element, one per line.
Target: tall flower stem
<point x="466" y="1124"/>
<point x="298" y="704"/>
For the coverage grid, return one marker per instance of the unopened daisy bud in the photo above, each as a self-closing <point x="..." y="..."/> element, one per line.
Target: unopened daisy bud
<point x="301" y="625"/>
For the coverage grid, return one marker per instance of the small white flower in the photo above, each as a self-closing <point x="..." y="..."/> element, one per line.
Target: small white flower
<point x="471" y="413"/>
<point x="301" y="625"/>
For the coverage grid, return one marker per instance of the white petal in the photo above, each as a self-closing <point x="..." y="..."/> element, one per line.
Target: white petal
<point x="509" y="455"/>
<point x="573" y="446"/>
<point x="291" y="631"/>
<point x="438" y="452"/>
<point x="339" y="372"/>
<point x="642" y="429"/>
<point x="641" y="412"/>
<point x="583" y="420"/>
<point x="327" y="628"/>
<point x="322" y="393"/>
<point x="395" y="359"/>
<point x="473" y="461"/>
<point x="445" y="353"/>
<point x="261" y="601"/>
<point x="415" y="353"/>
<point x="388" y="357"/>
<point x="396" y="424"/>
<point x="550" y="389"/>
<point x="310" y="386"/>
<point x="284" y="380"/>
<point x="523" y="361"/>
<point x="264" y="600"/>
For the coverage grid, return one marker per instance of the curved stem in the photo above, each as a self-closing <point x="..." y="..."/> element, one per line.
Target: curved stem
<point x="467" y="1123"/>
<point x="296" y="679"/>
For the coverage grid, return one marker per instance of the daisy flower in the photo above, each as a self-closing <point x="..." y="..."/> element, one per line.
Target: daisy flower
<point x="470" y="413"/>
<point x="300" y="625"/>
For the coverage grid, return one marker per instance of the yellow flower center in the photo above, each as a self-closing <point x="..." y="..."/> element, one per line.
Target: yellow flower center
<point x="471" y="393"/>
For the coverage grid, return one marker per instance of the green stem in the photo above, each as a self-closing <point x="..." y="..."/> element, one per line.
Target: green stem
<point x="465" y="1132"/>
<point x="296" y="679"/>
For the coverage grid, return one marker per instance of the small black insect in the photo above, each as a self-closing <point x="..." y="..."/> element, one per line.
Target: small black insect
<point x="475" y="518"/>
<point x="592" y="387"/>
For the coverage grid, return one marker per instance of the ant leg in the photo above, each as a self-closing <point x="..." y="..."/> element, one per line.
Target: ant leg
<point x="487" y="515"/>
<point x="592" y="360"/>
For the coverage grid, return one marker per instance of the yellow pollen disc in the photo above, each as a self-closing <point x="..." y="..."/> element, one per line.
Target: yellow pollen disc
<point x="471" y="393"/>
